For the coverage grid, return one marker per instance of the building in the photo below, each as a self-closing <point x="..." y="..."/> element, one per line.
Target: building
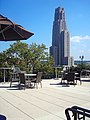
<point x="60" y="49"/>
<point x="71" y="61"/>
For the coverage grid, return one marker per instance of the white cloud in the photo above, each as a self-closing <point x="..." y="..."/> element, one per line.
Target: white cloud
<point x="79" y="38"/>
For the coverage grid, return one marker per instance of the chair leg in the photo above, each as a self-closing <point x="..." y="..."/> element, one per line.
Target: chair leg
<point x="74" y="83"/>
<point x="10" y="84"/>
<point x="61" y="81"/>
<point x="24" y="86"/>
<point x="36" y="86"/>
<point x="80" y="82"/>
<point x="19" y="86"/>
<point x="41" y="84"/>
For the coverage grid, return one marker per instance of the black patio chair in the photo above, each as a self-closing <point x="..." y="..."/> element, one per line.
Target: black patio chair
<point x="37" y="80"/>
<point x="78" y="76"/>
<point x="22" y="82"/>
<point x="64" y="77"/>
<point x="78" y="113"/>
<point x="14" y="77"/>
<point x="71" y="78"/>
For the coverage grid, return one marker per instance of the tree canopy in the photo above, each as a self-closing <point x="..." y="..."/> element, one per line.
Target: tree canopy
<point x="32" y="58"/>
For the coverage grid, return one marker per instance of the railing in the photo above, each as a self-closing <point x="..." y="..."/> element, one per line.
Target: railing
<point x="78" y="113"/>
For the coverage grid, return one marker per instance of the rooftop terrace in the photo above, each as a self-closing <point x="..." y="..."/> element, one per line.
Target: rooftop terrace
<point x="46" y="103"/>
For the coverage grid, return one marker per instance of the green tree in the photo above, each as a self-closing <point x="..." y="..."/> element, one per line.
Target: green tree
<point x="3" y="59"/>
<point x="28" y="57"/>
<point x="38" y="58"/>
<point x="15" y="54"/>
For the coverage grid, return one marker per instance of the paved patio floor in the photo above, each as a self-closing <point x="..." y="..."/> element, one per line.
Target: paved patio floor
<point x="46" y="103"/>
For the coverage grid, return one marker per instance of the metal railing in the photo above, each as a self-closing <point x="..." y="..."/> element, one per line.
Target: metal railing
<point x="78" y="113"/>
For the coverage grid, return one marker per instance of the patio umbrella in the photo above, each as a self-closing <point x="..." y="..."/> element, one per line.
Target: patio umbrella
<point x="10" y="31"/>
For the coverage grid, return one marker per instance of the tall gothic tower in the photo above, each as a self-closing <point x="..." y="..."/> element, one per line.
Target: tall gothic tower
<point x="60" y="48"/>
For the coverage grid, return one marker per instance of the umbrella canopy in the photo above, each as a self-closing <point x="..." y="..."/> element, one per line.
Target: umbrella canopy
<point x="10" y="31"/>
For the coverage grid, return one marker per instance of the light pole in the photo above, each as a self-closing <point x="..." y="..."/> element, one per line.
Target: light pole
<point x="81" y="57"/>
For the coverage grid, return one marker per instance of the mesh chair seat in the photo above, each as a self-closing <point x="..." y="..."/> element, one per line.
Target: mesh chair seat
<point x="38" y="80"/>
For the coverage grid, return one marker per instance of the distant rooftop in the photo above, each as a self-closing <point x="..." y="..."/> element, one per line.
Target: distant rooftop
<point x="79" y="61"/>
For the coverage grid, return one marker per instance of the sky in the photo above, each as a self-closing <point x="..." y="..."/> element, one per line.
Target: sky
<point x="37" y="16"/>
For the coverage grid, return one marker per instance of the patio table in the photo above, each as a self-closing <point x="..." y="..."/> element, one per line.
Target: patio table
<point x="29" y="77"/>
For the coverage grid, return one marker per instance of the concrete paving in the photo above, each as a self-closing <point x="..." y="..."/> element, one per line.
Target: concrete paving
<point x="46" y="103"/>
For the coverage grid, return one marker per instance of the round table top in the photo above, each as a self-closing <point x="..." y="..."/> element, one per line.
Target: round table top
<point x="30" y="74"/>
<point x="5" y="68"/>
